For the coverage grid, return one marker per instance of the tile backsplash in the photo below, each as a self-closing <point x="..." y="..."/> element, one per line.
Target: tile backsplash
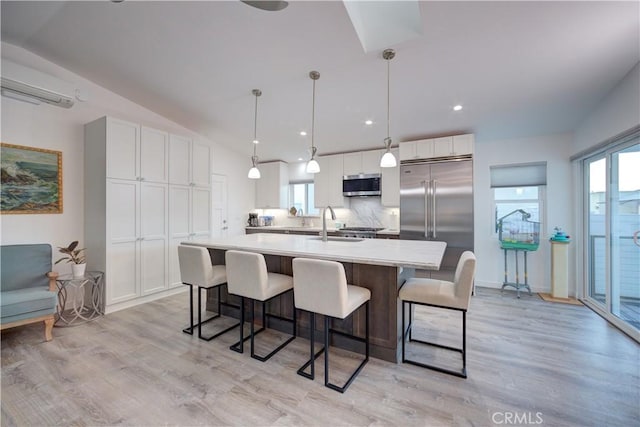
<point x="363" y="212"/>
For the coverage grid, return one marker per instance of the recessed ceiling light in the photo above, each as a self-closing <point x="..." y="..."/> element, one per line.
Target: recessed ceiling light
<point x="457" y="108"/>
<point x="300" y="159"/>
<point x="368" y="122"/>
<point x="303" y="133"/>
<point x="255" y="141"/>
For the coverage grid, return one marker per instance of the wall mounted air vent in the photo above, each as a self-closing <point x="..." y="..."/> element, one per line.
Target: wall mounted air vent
<point x="26" y="84"/>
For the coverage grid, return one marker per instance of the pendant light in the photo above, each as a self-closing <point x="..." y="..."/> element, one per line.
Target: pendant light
<point x="254" y="173"/>
<point x="388" y="160"/>
<point x="312" y="164"/>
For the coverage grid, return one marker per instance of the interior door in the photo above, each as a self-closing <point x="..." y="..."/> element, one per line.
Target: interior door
<point x="219" y="224"/>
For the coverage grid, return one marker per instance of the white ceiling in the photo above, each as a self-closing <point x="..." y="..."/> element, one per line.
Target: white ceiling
<point x="518" y="68"/>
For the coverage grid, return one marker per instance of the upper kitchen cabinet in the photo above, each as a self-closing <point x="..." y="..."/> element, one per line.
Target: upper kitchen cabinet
<point x="328" y="182"/>
<point x="391" y="184"/>
<point x="362" y="162"/>
<point x="190" y="162"/>
<point x="135" y="152"/>
<point x="272" y="187"/>
<point x="457" y="145"/>
<point x="422" y="149"/>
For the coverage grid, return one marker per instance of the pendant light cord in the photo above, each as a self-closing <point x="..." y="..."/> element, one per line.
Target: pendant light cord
<point x="255" y="126"/>
<point x="388" y="99"/>
<point x="313" y="113"/>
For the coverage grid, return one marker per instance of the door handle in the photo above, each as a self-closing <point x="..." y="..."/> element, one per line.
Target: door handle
<point x="426" y="185"/>
<point x="433" y="208"/>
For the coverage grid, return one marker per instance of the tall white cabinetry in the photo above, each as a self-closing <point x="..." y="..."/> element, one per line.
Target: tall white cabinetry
<point x="127" y="208"/>
<point x="189" y="197"/>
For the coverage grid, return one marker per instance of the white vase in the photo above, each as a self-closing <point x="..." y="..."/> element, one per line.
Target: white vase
<point x="78" y="269"/>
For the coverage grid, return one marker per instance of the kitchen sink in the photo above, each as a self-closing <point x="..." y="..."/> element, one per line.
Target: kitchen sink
<point x="339" y="239"/>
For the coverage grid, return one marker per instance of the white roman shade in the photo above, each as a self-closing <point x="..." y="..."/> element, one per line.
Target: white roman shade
<point x="519" y="175"/>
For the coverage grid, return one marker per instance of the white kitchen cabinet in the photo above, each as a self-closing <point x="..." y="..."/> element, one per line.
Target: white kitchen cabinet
<point x="189" y="218"/>
<point x="421" y="149"/>
<point x="328" y="182"/>
<point x="391" y="184"/>
<point x="127" y="209"/>
<point x="135" y="152"/>
<point x="463" y="144"/>
<point x="362" y="162"/>
<point x="190" y="162"/>
<point x="273" y="185"/>
<point x="457" y="145"/>
<point x="442" y="147"/>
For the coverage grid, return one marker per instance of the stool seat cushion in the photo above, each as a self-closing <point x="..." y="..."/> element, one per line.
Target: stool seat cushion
<point x="217" y="277"/>
<point x="430" y="291"/>
<point x="356" y="296"/>
<point x="276" y="284"/>
<point x="196" y="268"/>
<point x="321" y="287"/>
<point x="456" y="294"/>
<point x="248" y="277"/>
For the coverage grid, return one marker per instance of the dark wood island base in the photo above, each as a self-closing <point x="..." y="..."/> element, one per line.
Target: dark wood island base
<point x="385" y="323"/>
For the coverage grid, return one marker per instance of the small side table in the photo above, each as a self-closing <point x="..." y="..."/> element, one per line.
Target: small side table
<point x="559" y="269"/>
<point x="79" y="298"/>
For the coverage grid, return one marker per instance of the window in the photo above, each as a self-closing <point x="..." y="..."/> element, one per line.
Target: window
<point x="301" y="197"/>
<point x="509" y="199"/>
<point x="519" y="187"/>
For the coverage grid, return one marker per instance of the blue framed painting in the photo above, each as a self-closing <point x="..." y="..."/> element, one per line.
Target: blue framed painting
<point x="31" y="181"/>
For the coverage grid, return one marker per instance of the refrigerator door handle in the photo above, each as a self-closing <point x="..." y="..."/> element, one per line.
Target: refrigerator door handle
<point x="433" y="209"/>
<point x="426" y="185"/>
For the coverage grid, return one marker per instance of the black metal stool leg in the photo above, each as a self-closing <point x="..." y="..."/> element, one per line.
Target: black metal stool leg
<point x="239" y="346"/>
<point x="312" y="357"/>
<point x="189" y="330"/>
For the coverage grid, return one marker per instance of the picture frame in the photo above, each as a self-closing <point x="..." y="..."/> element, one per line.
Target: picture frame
<point x="31" y="180"/>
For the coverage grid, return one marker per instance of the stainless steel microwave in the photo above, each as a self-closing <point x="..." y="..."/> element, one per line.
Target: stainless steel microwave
<point x="362" y="185"/>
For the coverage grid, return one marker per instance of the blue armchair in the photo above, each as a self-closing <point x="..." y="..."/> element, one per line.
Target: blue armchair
<point x="28" y="291"/>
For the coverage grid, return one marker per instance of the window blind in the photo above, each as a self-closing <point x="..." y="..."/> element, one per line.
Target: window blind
<point x="519" y="175"/>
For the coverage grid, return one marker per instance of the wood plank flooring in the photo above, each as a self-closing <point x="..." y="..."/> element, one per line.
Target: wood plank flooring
<point x="528" y="358"/>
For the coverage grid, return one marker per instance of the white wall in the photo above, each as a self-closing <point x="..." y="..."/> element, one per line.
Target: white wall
<point x="50" y="127"/>
<point x="618" y="112"/>
<point x="555" y="151"/>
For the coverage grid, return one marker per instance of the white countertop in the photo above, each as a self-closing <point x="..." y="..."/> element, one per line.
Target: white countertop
<point x="392" y="252"/>
<point x="386" y="231"/>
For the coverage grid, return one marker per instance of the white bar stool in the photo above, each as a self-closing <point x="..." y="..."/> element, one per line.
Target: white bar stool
<point x="248" y="277"/>
<point x="442" y="294"/>
<point x="321" y="287"/>
<point x="196" y="270"/>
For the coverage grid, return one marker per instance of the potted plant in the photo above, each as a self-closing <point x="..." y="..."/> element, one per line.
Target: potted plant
<point x="75" y="257"/>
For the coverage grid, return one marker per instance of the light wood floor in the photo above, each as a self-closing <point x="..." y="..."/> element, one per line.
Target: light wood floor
<point x="557" y="363"/>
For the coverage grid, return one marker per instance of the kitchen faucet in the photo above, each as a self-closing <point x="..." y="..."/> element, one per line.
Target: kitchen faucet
<point x="324" y="221"/>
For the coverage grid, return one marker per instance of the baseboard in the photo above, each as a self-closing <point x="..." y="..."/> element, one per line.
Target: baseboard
<point x="145" y="299"/>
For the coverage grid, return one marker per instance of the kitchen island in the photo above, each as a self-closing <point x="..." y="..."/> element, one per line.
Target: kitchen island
<point x="380" y="265"/>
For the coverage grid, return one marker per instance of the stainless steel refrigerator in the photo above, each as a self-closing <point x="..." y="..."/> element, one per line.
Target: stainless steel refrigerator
<point x="436" y="203"/>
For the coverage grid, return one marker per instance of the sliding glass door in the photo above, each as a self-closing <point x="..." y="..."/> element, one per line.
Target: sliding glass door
<point x="612" y="246"/>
